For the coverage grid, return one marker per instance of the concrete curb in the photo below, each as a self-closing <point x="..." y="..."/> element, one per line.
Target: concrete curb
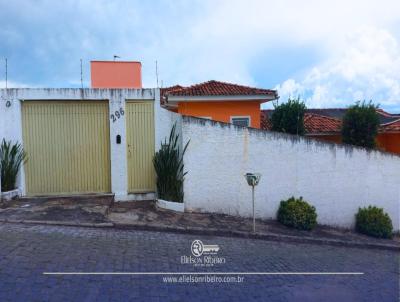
<point x="60" y="223"/>
<point x="269" y="237"/>
<point x="214" y="232"/>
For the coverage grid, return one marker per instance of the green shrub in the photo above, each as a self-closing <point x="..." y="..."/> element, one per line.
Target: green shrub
<point x="11" y="158"/>
<point x="297" y="213"/>
<point x="289" y="117"/>
<point x="168" y="164"/>
<point x="360" y="125"/>
<point x="374" y="222"/>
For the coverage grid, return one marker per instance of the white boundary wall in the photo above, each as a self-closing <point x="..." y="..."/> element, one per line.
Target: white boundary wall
<point x="336" y="179"/>
<point x="11" y="124"/>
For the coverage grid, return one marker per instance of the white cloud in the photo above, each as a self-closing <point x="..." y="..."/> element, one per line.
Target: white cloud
<point x="200" y="40"/>
<point x="366" y="66"/>
<point x="356" y="40"/>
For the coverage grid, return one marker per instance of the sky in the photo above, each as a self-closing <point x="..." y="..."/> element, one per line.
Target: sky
<point x="328" y="53"/>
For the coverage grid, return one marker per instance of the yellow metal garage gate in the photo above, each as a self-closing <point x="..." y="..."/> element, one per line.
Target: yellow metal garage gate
<point x="140" y="146"/>
<point x="68" y="147"/>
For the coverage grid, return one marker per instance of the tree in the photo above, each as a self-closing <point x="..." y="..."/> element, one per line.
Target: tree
<point x="360" y="125"/>
<point x="289" y="117"/>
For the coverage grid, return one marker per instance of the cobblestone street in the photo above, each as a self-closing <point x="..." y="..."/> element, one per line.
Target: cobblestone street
<point x="28" y="251"/>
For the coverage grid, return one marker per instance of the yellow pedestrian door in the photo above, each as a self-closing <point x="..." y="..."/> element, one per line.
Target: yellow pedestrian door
<point x="68" y="147"/>
<point x="140" y="146"/>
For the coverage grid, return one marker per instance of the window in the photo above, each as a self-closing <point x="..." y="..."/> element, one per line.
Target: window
<point x="243" y="121"/>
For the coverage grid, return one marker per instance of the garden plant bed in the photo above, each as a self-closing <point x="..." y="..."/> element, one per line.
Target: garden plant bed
<point x="170" y="205"/>
<point x="9" y="195"/>
<point x="146" y="215"/>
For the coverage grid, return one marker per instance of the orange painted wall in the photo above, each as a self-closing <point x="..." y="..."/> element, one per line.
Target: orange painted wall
<point x="222" y="111"/>
<point x="329" y="138"/>
<point x="116" y="74"/>
<point x="389" y="142"/>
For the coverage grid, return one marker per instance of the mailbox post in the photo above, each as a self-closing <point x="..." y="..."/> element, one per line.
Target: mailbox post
<point x="253" y="180"/>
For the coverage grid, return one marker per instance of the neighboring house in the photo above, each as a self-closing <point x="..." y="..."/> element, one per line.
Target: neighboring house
<point x="102" y="139"/>
<point x="326" y="124"/>
<point x="219" y="101"/>
<point x="116" y="74"/>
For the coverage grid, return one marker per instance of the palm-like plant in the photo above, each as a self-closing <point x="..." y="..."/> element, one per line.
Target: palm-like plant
<point x="168" y="163"/>
<point x="11" y="158"/>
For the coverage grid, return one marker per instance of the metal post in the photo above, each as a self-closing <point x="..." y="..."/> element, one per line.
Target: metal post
<point x="6" y="74"/>
<point x="81" y="75"/>
<point x="253" y="180"/>
<point x="254" y="217"/>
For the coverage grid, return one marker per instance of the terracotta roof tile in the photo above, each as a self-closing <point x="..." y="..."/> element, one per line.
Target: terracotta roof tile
<point x="315" y="123"/>
<point x="322" y="124"/>
<point x="211" y="88"/>
<point x="171" y="89"/>
<point x="164" y="91"/>
<point x="384" y="117"/>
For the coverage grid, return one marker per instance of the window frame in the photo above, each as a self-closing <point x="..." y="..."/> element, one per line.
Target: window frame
<point x="248" y="117"/>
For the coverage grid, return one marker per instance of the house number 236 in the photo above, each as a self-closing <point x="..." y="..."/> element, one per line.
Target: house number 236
<point x="117" y="115"/>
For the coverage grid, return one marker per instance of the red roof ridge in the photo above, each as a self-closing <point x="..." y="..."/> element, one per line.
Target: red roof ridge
<point x="173" y="87"/>
<point x="214" y="87"/>
<point x="232" y="84"/>
<point x="309" y="114"/>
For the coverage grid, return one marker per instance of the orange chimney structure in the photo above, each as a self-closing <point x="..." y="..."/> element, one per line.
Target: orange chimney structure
<point x="116" y="74"/>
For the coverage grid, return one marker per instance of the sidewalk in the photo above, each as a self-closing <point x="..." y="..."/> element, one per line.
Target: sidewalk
<point x="100" y="211"/>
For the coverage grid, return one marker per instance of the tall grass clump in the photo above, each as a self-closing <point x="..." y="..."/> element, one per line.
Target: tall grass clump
<point x="168" y="164"/>
<point x="11" y="158"/>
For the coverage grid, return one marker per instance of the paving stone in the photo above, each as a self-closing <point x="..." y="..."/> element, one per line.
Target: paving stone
<point x="28" y="251"/>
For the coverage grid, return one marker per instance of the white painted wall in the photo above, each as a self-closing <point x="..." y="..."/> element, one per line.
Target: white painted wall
<point x="164" y="120"/>
<point x="336" y="179"/>
<point x="11" y="126"/>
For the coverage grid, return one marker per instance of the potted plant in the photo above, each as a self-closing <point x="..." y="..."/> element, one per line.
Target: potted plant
<point x="168" y="164"/>
<point x="12" y="155"/>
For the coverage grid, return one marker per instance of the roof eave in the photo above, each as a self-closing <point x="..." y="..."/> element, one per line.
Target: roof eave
<point x="220" y="98"/>
<point x="169" y="105"/>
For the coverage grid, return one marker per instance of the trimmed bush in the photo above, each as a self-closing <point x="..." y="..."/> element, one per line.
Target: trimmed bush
<point x="297" y="213"/>
<point x="374" y="222"/>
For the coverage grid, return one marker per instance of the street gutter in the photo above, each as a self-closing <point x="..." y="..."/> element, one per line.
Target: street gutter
<point x="214" y="232"/>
